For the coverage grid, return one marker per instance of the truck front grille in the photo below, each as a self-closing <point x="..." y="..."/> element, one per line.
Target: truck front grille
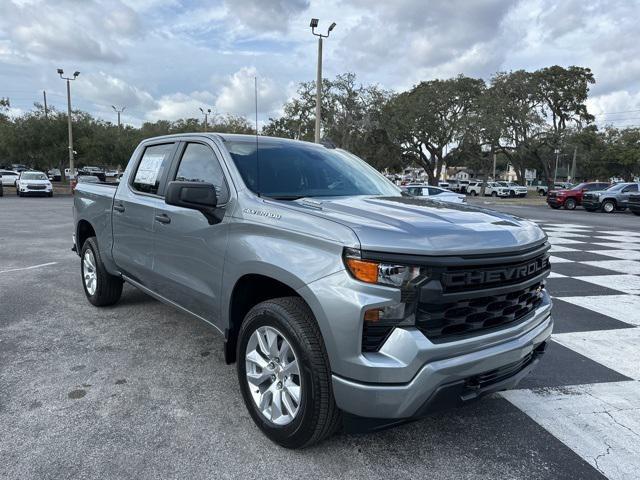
<point x="464" y="296"/>
<point x="445" y="321"/>
<point x="36" y="187"/>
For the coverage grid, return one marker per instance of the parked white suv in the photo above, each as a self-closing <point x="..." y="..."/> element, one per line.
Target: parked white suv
<point x="515" y="190"/>
<point x="33" y="183"/>
<point x="492" y="188"/>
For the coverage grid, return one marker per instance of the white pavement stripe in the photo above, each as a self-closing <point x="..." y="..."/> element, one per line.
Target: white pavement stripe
<point x="617" y="238"/>
<point x="552" y="234"/>
<point x="553" y="259"/>
<point x="622" y="283"/>
<point x="620" y="232"/>
<point x="556" y="275"/>
<point x="615" y="349"/>
<point x="569" y="226"/>
<point x="563" y="241"/>
<point x="620" y="245"/>
<point x="600" y="422"/>
<point x="618" y="266"/>
<point x="621" y="307"/>
<point x="623" y="254"/>
<point x="28" y="268"/>
<point x="559" y="248"/>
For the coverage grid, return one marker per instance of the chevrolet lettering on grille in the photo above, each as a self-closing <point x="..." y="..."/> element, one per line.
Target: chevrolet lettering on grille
<point x="505" y="274"/>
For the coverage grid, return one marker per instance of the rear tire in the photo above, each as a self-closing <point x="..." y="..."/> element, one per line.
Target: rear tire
<point x="636" y="212"/>
<point x="494" y="194"/>
<point x="541" y="193"/>
<point x="316" y="416"/>
<point x="104" y="289"/>
<point x="474" y="193"/>
<point x="569" y="204"/>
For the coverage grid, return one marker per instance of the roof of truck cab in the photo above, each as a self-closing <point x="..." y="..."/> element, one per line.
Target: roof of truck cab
<point x="229" y="137"/>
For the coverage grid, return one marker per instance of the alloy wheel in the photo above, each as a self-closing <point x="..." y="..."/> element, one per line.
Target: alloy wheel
<point x="273" y="375"/>
<point x="89" y="274"/>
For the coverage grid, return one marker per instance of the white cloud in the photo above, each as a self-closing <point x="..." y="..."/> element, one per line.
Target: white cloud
<point x="237" y="96"/>
<point x="104" y="89"/>
<point x="180" y="105"/>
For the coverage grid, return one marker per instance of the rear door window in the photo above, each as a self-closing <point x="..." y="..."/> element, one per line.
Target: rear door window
<point x="630" y="188"/>
<point x="154" y="162"/>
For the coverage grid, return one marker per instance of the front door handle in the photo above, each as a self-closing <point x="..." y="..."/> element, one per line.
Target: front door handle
<point x="163" y="218"/>
<point x="118" y="207"/>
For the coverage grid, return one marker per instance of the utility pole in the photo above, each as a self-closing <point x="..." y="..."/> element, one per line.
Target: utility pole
<point x="494" y="167"/>
<point x="555" y="175"/>
<point x="206" y="114"/>
<point x="573" y="164"/>
<point x="46" y="110"/>
<point x="118" y="111"/>
<point x="71" y="166"/>
<point x="314" y="25"/>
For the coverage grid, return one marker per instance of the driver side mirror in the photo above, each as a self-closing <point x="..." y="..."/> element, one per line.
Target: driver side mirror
<point x="195" y="196"/>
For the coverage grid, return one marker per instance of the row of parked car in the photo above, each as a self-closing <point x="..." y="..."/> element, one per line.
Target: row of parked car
<point x="26" y="182"/>
<point x="597" y="196"/>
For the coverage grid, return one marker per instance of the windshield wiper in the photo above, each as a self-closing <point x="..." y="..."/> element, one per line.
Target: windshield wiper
<point x="285" y="197"/>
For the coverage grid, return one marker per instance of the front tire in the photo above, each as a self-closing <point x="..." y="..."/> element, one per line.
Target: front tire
<point x="608" y="206"/>
<point x="569" y="204"/>
<point x="293" y="407"/>
<point x="494" y="194"/>
<point x="100" y="287"/>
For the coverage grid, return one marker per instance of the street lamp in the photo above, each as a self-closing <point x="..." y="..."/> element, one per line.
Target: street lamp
<point x="206" y="114"/>
<point x="118" y="111"/>
<point x="314" y="25"/>
<point x="68" y="79"/>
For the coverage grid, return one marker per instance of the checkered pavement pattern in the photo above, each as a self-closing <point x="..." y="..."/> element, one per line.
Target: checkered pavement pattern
<point x="586" y="393"/>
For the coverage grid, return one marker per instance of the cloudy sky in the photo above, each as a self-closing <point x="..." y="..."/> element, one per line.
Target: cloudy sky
<point x="166" y="58"/>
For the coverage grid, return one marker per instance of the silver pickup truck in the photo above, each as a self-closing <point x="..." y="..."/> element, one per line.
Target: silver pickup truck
<point x="342" y="301"/>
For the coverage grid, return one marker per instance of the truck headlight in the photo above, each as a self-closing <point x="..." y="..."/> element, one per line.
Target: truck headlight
<point x="371" y="271"/>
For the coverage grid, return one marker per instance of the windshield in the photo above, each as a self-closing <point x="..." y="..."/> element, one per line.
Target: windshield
<point x="33" y="176"/>
<point x="288" y="170"/>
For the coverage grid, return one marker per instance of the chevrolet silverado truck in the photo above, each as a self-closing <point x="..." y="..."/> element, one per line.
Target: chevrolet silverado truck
<point x="570" y="198"/>
<point x="613" y="198"/>
<point x="342" y="301"/>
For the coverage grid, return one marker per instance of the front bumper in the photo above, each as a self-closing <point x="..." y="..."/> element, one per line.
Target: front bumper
<point x="590" y="203"/>
<point x="404" y="375"/>
<point x="555" y="201"/>
<point x="447" y="382"/>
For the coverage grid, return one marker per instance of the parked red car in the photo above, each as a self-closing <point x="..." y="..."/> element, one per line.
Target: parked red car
<point x="570" y="198"/>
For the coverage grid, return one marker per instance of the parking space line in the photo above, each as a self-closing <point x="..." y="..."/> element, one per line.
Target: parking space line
<point x="28" y="268"/>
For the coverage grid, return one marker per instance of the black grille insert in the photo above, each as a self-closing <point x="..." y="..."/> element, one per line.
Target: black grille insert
<point x="442" y="321"/>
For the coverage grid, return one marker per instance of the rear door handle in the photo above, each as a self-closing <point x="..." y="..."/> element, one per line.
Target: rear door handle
<point x="163" y="218"/>
<point x="118" y="207"/>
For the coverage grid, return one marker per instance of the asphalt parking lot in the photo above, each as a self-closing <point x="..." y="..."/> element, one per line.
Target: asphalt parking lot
<point x="140" y="390"/>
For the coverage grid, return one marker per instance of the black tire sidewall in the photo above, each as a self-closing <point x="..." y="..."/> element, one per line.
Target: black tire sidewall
<point x="570" y="204"/>
<point x="295" y="433"/>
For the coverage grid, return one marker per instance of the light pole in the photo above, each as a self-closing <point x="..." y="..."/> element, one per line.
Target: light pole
<point x="68" y="79"/>
<point x="555" y="175"/>
<point x="206" y="114"/>
<point x="314" y="25"/>
<point x="118" y="111"/>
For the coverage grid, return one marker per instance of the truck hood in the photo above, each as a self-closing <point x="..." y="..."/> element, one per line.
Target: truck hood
<point x="418" y="226"/>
